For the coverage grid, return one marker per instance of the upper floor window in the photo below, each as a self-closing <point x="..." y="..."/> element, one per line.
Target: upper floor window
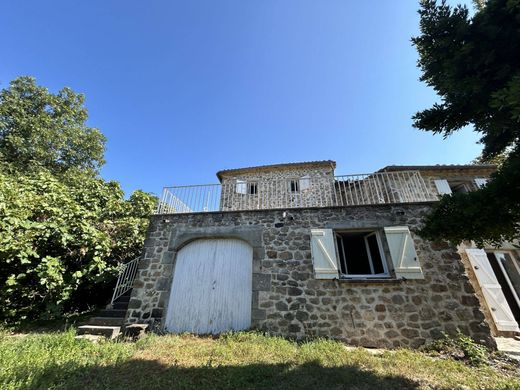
<point x="294" y="185"/>
<point x="448" y="187"/>
<point x="252" y="188"/>
<point x="246" y="187"/>
<point x="301" y="184"/>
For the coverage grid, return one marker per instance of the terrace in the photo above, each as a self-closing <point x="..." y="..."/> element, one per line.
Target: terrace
<point x="305" y="192"/>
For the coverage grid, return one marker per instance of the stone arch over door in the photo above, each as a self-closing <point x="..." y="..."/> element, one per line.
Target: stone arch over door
<point x="211" y="289"/>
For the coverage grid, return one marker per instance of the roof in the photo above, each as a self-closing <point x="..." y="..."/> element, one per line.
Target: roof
<point x="304" y="164"/>
<point x="439" y="167"/>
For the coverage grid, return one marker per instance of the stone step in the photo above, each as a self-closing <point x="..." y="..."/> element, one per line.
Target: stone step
<point x="124" y="298"/>
<point x="110" y="332"/>
<point x="90" y="337"/>
<point x="112" y="313"/>
<point x="120" y="305"/>
<point x="106" y="321"/>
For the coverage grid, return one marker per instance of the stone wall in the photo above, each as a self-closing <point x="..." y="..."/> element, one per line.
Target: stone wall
<point x="289" y="301"/>
<point x="273" y="189"/>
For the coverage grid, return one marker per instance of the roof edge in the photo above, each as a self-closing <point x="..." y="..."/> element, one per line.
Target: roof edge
<point x="325" y="163"/>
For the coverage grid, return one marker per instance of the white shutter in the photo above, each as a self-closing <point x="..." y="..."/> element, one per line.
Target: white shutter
<point x="443" y="188"/>
<point x="241" y="187"/>
<point x="305" y="183"/>
<point x="492" y="291"/>
<point x="323" y="252"/>
<point x="404" y="258"/>
<point x="480" y="182"/>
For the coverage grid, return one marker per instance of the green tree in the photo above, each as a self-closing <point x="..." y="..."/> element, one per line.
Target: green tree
<point x="64" y="231"/>
<point x="473" y="63"/>
<point x="41" y="129"/>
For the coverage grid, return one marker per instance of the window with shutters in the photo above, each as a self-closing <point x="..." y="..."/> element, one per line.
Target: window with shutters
<point x="360" y="254"/>
<point x="458" y="185"/>
<point x="246" y="187"/>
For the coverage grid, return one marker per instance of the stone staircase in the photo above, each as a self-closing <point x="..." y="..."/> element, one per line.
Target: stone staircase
<point x="108" y="323"/>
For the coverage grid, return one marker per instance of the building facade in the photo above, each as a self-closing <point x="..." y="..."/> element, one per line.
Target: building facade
<point x="296" y="251"/>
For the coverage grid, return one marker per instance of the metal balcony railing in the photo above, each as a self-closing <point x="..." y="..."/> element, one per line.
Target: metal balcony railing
<point x="307" y="191"/>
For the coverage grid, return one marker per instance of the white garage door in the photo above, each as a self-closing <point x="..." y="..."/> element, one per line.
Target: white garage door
<point x="211" y="288"/>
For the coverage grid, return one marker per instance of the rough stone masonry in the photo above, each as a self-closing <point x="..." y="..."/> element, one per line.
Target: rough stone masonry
<point x="289" y="301"/>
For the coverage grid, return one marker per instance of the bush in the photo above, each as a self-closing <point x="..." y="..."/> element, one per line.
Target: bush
<point x="61" y="240"/>
<point x="460" y="347"/>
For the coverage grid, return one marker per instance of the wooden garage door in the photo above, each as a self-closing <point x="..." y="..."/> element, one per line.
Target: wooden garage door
<point x="212" y="287"/>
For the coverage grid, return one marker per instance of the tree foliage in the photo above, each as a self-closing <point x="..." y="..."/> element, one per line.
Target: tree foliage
<point x="473" y="63"/>
<point x="64" y="231"/>
<point x="41" y="129"/>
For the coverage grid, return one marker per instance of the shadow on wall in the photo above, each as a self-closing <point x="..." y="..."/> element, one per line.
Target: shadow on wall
<point x="146" y="374"/>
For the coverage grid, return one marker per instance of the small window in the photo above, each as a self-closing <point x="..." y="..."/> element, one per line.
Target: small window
<point x="361" y="254"/>
<point x="294" y="185"/>
<point x="458" y="187"/>
<point x="252" y="188"/>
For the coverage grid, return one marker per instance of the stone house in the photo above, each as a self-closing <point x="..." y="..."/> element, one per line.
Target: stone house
<point x="294" y="250"/>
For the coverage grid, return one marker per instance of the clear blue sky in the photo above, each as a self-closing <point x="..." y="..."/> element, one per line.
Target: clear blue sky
<point x="183" y="89"/>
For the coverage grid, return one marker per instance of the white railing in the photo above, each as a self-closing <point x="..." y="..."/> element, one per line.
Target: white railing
<point x="126" y="278"/>
<point x="308" y="191"/>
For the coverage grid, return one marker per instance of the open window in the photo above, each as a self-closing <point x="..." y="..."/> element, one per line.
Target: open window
<point x="293" y="185"/>
<point x="246" y="187"/>
<point x="252" y="188"/>
<point x="355" y="254"/>
<point x="455" y="185"/>
<point x="361" y="254"/>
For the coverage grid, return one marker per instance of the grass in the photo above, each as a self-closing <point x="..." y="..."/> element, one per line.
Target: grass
<point x="240" y="360"/>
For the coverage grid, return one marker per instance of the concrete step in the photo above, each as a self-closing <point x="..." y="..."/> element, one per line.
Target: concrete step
<point x="90" y="337"/>
<point x="110" y="332"/>
<point x="112" y="313"/>
<point x="105" y="321"/>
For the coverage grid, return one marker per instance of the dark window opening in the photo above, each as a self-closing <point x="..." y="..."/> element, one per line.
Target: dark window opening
<point x="459" y="187"/>
<point x="294" y="185"/>
<point x="360" y="254"/>
<point x="252" y="188"/>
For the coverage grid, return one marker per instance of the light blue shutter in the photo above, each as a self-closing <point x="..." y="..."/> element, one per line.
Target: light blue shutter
<point x="241" y="187"/>
<point x="305" y="183"/>
<point x="443" y="188"/>
<point x="402" y="250"/>
<point x="480" y="182"/>
<point x="323" y="251"/>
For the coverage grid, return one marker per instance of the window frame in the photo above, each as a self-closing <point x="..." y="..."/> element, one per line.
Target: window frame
<point x="250" y="185"/>
<point x="296" y="182"/>
<point x="368" y="233"/>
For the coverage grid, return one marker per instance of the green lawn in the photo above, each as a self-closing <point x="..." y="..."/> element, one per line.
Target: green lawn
<point x="241" y="360"/>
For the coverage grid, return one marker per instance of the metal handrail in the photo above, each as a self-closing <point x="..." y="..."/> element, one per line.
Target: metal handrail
<point x="126" y="278"/>
<point x="307" y="191"/>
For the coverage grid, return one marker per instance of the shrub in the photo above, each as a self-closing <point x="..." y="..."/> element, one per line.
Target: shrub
<point x="460" y="347"/>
